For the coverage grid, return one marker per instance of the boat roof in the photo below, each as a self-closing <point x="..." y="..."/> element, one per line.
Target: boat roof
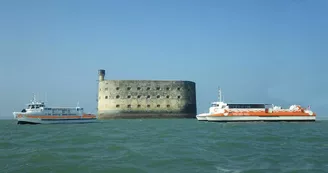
<point x="222" y="101"/>
<point x="37" y="102"/>
<point x="242" y="103"/>
<point x="64" y="107"/>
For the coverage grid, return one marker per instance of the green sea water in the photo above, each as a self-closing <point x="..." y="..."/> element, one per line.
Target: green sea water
<point x="159" y="145"/>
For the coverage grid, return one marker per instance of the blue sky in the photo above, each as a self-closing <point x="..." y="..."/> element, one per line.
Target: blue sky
<point x="257" y="51"/>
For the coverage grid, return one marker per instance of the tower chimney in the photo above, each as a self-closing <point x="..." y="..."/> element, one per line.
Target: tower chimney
<point x="101" y="74"/>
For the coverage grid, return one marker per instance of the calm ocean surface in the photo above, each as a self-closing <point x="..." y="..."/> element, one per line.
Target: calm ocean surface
<point x="174" y="145"/>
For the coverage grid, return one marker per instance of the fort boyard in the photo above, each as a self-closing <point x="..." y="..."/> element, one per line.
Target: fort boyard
<point x="145" y="98"/>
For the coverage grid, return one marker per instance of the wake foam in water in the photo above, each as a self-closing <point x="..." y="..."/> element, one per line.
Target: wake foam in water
<point x="223" y="170"/>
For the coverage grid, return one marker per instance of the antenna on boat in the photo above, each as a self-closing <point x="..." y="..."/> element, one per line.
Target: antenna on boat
<point x="34" y="98"/>
<point x="45" y="99"/>
<point x="77" y="105"/>
<point x="220" y="96"/>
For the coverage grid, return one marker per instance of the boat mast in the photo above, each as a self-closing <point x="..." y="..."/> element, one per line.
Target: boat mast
<point x="34" y="99"/>
<point x="220" y="96"/>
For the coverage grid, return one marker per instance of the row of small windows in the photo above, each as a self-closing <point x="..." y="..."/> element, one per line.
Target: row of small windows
<point x="148" y="88"/>
<point x="139" y="106"/>
<point x="139" y="96"/>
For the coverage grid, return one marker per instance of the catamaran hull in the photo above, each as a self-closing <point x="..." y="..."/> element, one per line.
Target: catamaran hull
<point x="201" y="118"/>
<point x="258" y="118"/>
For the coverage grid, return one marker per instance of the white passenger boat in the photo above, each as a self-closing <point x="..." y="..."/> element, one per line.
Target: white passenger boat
<point x="225" y="112"/>
<point x="38" y="113"/>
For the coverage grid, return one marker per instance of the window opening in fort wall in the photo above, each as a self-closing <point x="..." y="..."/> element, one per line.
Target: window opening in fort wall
<point x="145" y="98"/>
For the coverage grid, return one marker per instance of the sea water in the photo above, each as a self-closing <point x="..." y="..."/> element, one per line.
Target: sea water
<point x="160" y="145"/>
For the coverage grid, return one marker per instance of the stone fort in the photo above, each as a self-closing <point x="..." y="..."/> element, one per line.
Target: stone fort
<point x="145" y="98"/>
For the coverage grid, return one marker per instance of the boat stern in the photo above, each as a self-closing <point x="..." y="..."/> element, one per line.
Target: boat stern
<point x="89" y="116"/>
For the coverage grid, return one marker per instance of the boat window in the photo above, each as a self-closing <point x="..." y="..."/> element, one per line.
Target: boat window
<point x="252" y="106"/>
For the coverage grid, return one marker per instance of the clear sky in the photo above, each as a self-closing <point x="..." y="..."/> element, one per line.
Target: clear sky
<point x="257" y="51"/>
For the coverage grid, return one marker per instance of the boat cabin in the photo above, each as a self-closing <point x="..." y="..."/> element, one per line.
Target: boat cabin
<point x="247" y="106"/>
<point x="35" y="106"/>
<point x="222" y="105"/>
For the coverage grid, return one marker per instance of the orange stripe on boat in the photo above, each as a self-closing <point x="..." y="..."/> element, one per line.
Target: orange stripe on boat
<point x="88" y="116"/>
<point x="262" y="113"/>
<point x="59" y="117"/>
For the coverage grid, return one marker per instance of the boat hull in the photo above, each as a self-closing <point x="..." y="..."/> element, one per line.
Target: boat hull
<point x="201" y="117"/>
<point x="71" y="121"/>
<point x="54" y="121"/>
<point x="259" y="118"/>
<point x="22" y="119"/>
